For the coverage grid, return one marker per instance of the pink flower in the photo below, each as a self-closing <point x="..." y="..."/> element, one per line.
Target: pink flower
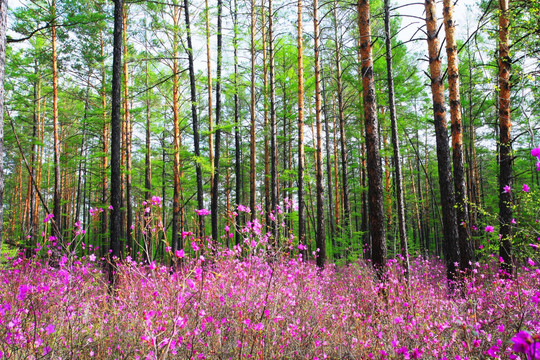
<point x="227" y="228"/>
<point x="489" y="228"/>
<point x="536" y="152"/>
<point x="538" y="166"/>
<point x="111" y="207"/>
<point x="526" y="188"/>
<point x="49" y="329"/>
<point x="156" y="200"/>
<point x="507" y="189"/>
<point x="180" y="253"/>
<point x="92" y="257"/>
<point x="195" y="246"/>
<point x="202" y="212"/>
<point x="302" y="247"/>
<point x="513" y="221"/>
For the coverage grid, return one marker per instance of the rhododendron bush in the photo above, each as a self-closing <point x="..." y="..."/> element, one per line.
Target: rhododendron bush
<point x="234" y="307"/>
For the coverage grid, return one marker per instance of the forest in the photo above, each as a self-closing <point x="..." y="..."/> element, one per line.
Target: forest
<point x="270" y="179"/>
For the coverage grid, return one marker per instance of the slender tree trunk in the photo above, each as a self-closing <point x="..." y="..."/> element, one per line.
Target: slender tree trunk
<point x="375" y="190"/>
<point x="215" y="184"/>
<point x="320" y="238"/>
<point x="462" y="209"/>
<point x="194" y="118"/>
<point x="342" y="134"/>
<point x="209" y="72"/>
<point x="177" y="241"/>
<point x="3" y="28"/>
<point x="328" y="165"/>
<point x="105" y="142"/>
<point x="301" y="152"/>
<point x="57" y="207"/>
<point x="450" y="226"/>
<point x="237" y="143"/>
<point x="266" y="137"/>
<point x="127" y="139"/>
<point x="273" y="123"/>
<point x="252" y="154"/>
<point x="116" y="136"/>
<point x="395" y="141"/>
<point x="505" y="140"/>
<point x="148" y="133"/>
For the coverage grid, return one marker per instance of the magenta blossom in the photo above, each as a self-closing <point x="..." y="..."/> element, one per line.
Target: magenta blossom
<point x="536" y="152"/>
<point x="507" y="189"/>
<point x="489" y="228"/>
<point x="526" y="344"/>
<point x="202" y="212"/>
<point x="526" y="188"/>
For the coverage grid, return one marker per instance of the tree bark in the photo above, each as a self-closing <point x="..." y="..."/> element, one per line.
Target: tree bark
<point x="215" y="184"/>
<point x="194" y="119"/>
<point x="450" y="227"/>
<point x="57" y="207"/>
<point x="320" y="238"/>
<point x="116" y="135"/>
<point x="398" y="177"/>
<point x="342" y="134"/>
<point x="273" y="124"/>
<point x="375" y="189"/>
<point x="177" y="241"/>
<point x="252" y="154"/>
<point x="462" y="209"/>
<point x="301" y="152"/>
<point x="505" y="141"/>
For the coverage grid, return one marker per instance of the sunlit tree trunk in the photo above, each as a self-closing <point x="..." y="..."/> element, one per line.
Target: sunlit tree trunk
<point x="505" y="140"/>
<point x="462" y="209"/>
<point x="57" y="207"/>
<point x="237" y="142"/>
<point x="375" y="189"/>
<point x="328" y="165"/>
<point x="252" y="143"/>
<point x="176" y="240"/>
<point x="450" y="230"/>
<point x="301" y="153"/>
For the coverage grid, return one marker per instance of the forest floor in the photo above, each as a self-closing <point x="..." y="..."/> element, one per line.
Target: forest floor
<point x="251" y="308"/>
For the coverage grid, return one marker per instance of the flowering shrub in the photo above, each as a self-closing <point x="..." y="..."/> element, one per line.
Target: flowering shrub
<point x="251" y="308"/>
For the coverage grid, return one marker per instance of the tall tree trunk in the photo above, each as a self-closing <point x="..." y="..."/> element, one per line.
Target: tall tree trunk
<point x="57" y="207"/>
<point x="450" y="226"/>
<point x="215" y="184"/>
<point x="462" y="209"/>
<point x="301" y="152"/>
<point x="3" y="27"/>
<point x="105" y="142"/>
<point x="328" y="165"/>
<point x="398" y="177"/>
<point x="252" y="143"/>
<point x="320" y="238"/>
<point x="375" y="189"/>
<point x="148" y="133"/>
<point x="342" y="134"/>
<point x="237" y="143"/>
<point x="273" y="122"/>
<point x="209" y="72"/>
<point x="177" y="241"/>
<point x="194" y="118"/>
<point x="266" y="137"/>
<point x="505" y="140"/>
<point x="116" y="136"/>
<point x="127" y="137"/>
